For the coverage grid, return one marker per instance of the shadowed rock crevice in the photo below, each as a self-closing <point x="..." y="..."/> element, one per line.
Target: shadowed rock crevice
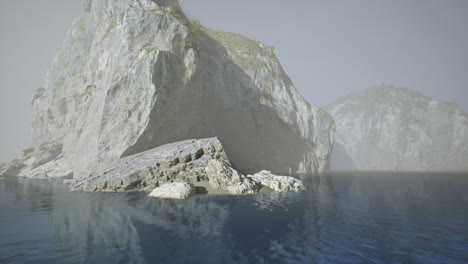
<point x="252" y="133"/>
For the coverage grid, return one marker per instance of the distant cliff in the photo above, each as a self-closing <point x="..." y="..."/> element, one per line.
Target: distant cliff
<point x="387" y="128"/>
<point x="136" y="74"/>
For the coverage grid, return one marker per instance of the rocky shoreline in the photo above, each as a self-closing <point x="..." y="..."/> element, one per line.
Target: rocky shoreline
<point x="181" y="169"/>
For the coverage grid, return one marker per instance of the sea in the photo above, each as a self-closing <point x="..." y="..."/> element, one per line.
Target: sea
<point x="346" y="217"/>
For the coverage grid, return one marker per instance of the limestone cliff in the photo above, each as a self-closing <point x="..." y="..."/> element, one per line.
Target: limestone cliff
<point x="386" y="128"/>
<point x="136" y="74"/>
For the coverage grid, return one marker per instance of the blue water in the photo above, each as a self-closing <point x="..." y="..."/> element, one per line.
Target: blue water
<point x="341" y="219"/>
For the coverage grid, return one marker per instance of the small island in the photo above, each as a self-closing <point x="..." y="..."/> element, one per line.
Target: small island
<point x="142" y="98"/>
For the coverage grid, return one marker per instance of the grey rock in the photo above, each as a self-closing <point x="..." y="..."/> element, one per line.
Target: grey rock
<point x="387" y="128"/>
<point x="223" y="177"/>
<point x="133" y="75"/>
<point x="42" y="162"/>
<point x="277" y="183"/>
<point x="147" y="170"/>
<point x="207" y="167"/>
<point x="175" y="190"/>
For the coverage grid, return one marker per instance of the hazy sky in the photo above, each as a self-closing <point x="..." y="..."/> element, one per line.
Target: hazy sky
<point x="328" y="48"/>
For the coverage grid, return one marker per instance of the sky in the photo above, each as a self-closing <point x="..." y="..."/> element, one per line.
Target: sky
<point x="329" y="48"/>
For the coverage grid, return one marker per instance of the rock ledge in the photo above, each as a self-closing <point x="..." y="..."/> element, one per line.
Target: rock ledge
<point x="175" y="170"/>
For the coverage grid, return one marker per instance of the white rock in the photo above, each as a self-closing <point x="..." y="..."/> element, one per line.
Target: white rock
<point x="175" y="190"/>
<point x="277" y="183"/>
<point x="223" y="177"/>
<point x="386" y="128"/>
<point x="133" y="75"/>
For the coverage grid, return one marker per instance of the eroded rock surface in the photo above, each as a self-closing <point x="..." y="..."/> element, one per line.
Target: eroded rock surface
<point x="223" y="177"/>
<point x="183" y="161"/>
<point x="202" y="164"/>
<point x="175" y="190"/>
<point x="277" y="183"/>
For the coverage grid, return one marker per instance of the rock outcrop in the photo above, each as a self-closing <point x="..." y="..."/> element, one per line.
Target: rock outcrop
<point x="387" y="128"/>
<point x="175" y="190"/>
<point x="168" y="170"/>
<point x="137" y="74"/>
<point x="42" y="162"/>
<point x="223" y="177"/>
<point x="183" y="161"/>
<point x="277" y="183"/>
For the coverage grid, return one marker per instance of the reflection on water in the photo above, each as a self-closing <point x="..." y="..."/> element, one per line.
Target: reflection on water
<point x="339" y="219"/>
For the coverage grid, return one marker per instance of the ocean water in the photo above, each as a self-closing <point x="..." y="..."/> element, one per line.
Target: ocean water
<point x="345" y="218"/>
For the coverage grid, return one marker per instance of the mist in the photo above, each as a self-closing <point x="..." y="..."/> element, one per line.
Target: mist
<point x="216" y="131"/>
<point x="329" y="49"/>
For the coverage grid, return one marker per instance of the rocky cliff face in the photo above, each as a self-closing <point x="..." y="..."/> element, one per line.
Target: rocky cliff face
<point x="136" y="74"/>
<point x="387" y="128"/>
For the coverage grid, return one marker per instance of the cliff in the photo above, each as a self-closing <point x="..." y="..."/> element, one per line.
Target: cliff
<point x="137" y="74"/>
<point x="387" y="128"/>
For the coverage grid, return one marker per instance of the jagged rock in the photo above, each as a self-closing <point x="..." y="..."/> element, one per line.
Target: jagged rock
<point x="386" y="128"/>
<point x="201" y="163"/>
<point x="175" y="190"/>
<point x="277" y="183"/>
<point x="183" y="161"/>
<point x="137" y="74"/>
<point x="223" y="177"/>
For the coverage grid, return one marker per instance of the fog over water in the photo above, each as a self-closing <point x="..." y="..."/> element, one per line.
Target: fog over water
<point x="328" y="48"/>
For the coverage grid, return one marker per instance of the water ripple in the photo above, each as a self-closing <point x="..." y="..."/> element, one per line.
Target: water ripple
<point x="345" y="219"/>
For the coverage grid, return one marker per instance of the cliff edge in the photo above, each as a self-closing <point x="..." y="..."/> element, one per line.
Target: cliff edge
<point x="137" y="74"/>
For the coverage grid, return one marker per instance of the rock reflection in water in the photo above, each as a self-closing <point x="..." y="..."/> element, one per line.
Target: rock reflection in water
<point x="92" y="222"/>
<point x="233" y="229"/>
<point x="340" y="219"/>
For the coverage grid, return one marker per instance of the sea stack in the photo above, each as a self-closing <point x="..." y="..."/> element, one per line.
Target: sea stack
<point x="137" y="74"/>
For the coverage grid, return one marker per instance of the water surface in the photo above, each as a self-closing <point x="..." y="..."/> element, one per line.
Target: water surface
<point x="355" y="218"/>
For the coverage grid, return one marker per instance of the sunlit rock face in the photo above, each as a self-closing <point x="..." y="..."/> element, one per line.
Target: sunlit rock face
<point x="387" y="128"/>
<point x="133" y="75"/>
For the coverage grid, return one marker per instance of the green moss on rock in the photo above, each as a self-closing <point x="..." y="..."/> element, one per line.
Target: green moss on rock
<point x="195" y="26"/>
<point x="88" y="92"/>
<point x="246" y="53"/>
<point x="111" y="27"/>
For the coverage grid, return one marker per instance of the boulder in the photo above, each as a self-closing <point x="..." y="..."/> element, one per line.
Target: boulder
<point x="223" y="177"/>
<point x="175" y="190"/>
<point x="277" y="183"/>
